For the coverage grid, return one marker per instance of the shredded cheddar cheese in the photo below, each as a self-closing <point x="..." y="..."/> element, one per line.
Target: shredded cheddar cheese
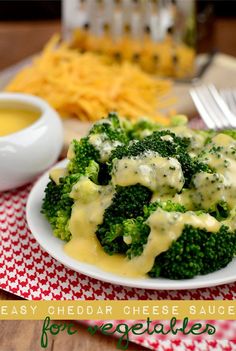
<point x="87" y="87"/>
<point x="166" y="58"/>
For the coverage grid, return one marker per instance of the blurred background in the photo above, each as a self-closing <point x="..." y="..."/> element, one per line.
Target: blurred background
<point x="28" y="20"/>
<point x="161" y="38"/>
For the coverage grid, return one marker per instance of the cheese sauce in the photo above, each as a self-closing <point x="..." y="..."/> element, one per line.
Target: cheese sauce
<point x="151" y="170"/>
<point x="197" y="140"/>
<point x="165" y="227"/>
<point x="71" y="152"/>
<point x="57" y="173"/>
<point x="14" y="120"/>
<point x="87" y="214"/>
<point x="220" y="155"/>
<point x="184" y="198"/>
<point x="103" y="145"/>
<point x="164" y="177"/>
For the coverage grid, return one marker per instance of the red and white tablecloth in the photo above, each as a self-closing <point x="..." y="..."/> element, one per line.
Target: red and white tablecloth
<point x="28" y="271"/>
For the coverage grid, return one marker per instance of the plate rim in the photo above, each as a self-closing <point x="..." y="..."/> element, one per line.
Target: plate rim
<point x="203" y="281"/>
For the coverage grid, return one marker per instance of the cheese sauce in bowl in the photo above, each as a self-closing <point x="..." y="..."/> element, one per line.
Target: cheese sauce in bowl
<point x="14" y="120"/>
<point x="31" y="138"/>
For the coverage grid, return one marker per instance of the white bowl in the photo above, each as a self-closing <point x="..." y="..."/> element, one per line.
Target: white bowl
<point x="30" y="151"/>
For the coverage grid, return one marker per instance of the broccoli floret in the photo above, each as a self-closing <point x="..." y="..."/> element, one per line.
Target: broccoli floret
<point x="128" y="202"/>
<point x="97" y="146"/>
<point x="195" y="252"/>
<point x="84" y="160"/>
<point x="111" y="128"/>
<point x="143" y="128"/>
<point x="83" y="152"/>
<point x="167" y="206"/>
<point x="57" y="205"/>
<point x="136" y="231"/>
<point x="126" y="226"/>
<point x="106" y="135"/>
<point x="220" y="211"/>
<point x="51" y="201"/>
<point x="207" y="134"/>
<point x="166" y="144"/>
<point x="92" y="171"/>
<point x="135" y="234"/>
<point x="179" y="120"/>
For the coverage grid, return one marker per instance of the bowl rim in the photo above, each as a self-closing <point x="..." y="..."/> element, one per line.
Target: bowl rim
<point x="30" y="100"/>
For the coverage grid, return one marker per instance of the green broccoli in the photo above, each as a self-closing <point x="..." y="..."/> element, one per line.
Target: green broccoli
<point x="84" y="159"/>
<point x="128" y="202"/>
<point x="143" y="128"/>
<point x="57" y="203"/>
<point x="168" y="206"/>
<point x="112" y="129"/>
<point x="83" y="153"/>
<point x="166" y="144"/>
<point x="135" y="231"/>
<point x="220" y="211"/>
<point x="215" y="191"/>
<point x="195" y="252"/>
<point x="126" y="224"/>
<point x="106" y="135"/>
<point x="179" y="120"/>
<point x="135" y="234"/>
<point x="97" y="146"/>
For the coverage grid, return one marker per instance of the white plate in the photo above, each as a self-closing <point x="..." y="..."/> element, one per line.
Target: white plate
<point x="54" y="246"/>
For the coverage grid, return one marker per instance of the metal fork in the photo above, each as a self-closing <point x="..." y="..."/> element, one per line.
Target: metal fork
<point x="229" y="95"/>
<point x="213" y="108"/>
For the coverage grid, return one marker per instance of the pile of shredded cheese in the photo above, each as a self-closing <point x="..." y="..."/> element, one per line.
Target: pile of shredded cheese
<point x="166" y="58"/>
<point x="87" y="87"/>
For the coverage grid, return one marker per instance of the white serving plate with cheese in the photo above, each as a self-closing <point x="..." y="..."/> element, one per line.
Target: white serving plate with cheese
<point x="42" y="232"/>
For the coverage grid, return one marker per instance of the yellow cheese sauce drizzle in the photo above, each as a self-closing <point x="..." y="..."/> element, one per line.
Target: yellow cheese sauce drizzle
<point x="164" y="177"/>
<point x="220" y="155"/>
<point x="156" y="173"/>
<point x="87" y="214"/>
<point x="14" y="120"/>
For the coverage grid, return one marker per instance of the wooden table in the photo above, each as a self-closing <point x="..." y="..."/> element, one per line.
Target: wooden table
<point x="25" y="336"/>
<point x="17" y="41"/>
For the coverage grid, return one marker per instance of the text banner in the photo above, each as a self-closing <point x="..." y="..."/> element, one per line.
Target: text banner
<point x="118" y="310"/>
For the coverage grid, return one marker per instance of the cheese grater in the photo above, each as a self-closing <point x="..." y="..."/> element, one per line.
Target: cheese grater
<point x="134" y="24"/>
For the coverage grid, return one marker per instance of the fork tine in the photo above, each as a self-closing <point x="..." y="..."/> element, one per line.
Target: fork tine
<point x="230" y="98"/>
<point x="233" y="93"/>
<point x="229" y="116"/>
<point x="211" y="108"/>
<point x="201" y="108"/>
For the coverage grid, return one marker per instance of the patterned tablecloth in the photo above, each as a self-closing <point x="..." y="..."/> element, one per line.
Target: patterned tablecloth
<point x="28" y="271"/>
